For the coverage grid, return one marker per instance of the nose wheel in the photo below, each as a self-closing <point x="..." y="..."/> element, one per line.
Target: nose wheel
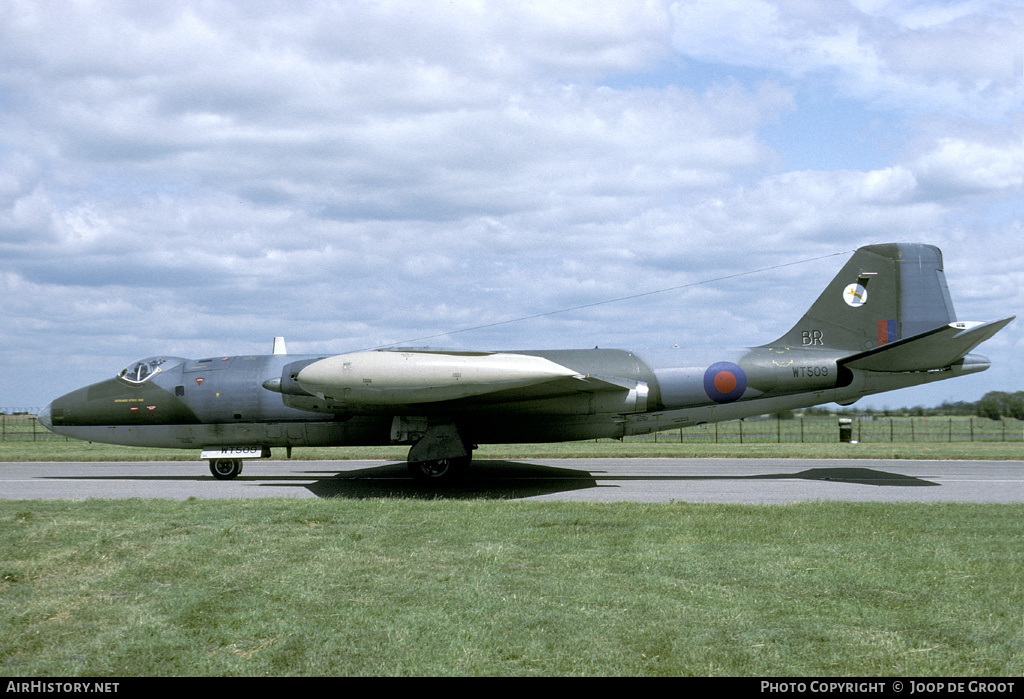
<point x="225" y="469"/>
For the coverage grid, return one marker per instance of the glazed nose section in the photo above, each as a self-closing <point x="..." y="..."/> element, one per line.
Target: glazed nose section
<point x="45" y="417"/>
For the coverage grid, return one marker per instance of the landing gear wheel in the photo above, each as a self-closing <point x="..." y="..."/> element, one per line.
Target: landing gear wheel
<point x="438" y="471"/>
<point x="225" y="469"/>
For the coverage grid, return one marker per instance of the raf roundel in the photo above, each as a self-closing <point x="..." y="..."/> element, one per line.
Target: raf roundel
<point x="724" y="382"/>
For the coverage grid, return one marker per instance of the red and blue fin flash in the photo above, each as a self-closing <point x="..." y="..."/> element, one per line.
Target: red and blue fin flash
<point x="886" y="332"/>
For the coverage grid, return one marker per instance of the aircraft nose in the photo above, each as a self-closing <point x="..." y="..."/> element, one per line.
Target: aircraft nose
<point x="45" y="417"/>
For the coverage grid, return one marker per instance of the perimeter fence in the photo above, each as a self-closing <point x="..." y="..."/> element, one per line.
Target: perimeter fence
<point x="20" y="424"/>
<point x="855" y="428"/>
<point x="24" y="425"/>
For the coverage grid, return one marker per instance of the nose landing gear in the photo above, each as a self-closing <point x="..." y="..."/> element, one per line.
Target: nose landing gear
<point x="225" y="469"/>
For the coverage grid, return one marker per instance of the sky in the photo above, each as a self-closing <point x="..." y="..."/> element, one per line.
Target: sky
<point x="194" y="178"/>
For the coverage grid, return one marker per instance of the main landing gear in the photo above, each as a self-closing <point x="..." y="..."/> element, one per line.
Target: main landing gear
<point x="439" y="469"/>
<point x="439" y="454"/>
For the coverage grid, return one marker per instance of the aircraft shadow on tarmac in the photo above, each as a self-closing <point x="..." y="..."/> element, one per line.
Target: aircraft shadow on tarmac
<point x="504" y="480"/>
<point x="862" y="476"/>
<point x="495" y="480"/>
<point x="513" y="480"/>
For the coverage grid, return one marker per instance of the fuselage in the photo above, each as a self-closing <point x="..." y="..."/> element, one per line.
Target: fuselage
<point x="257" y="400"/>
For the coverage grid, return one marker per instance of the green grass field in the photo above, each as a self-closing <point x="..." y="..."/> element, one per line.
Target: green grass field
<point x="818" y="437"/>
<point x="398" y="587"/>
<point x="63" y="450"/>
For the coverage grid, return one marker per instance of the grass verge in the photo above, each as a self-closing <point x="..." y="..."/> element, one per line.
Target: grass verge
<point x="64" y="450"/>
<point x="401" y="587"/>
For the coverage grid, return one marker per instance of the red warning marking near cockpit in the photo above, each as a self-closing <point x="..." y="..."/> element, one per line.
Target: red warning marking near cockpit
<point x="724" y="382"/>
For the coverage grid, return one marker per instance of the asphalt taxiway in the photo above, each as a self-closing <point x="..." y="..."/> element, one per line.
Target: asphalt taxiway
<point x="757" y="481"/>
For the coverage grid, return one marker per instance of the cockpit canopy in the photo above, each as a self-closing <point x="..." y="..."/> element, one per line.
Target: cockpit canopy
<point x="145" y="369"/>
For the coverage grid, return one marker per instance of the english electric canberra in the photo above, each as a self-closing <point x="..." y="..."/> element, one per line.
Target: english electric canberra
<point x="885" y="322"/>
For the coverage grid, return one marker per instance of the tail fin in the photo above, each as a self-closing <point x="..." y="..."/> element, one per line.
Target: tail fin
<point x="884" y="293"/>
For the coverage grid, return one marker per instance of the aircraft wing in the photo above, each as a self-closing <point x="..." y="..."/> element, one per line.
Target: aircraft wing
<point x="934" y="349"/>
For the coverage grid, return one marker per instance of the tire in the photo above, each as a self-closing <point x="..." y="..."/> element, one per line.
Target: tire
<point x="225" y="469"/>
<point x="438" y="471"/>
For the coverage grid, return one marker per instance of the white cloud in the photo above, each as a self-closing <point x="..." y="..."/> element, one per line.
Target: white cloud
<point x="914" y="56"/>
<point x="198" y="177"/>
<point x="957" y="166"/>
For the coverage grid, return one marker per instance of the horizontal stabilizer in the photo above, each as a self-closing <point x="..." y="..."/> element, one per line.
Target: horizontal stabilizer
<point x="934" y="349"/>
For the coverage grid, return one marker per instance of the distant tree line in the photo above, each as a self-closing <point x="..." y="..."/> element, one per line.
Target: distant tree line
<point x="994" y="405"/>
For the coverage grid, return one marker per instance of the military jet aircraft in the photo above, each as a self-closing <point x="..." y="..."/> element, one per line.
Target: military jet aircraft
<point x="885" y="322"/>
